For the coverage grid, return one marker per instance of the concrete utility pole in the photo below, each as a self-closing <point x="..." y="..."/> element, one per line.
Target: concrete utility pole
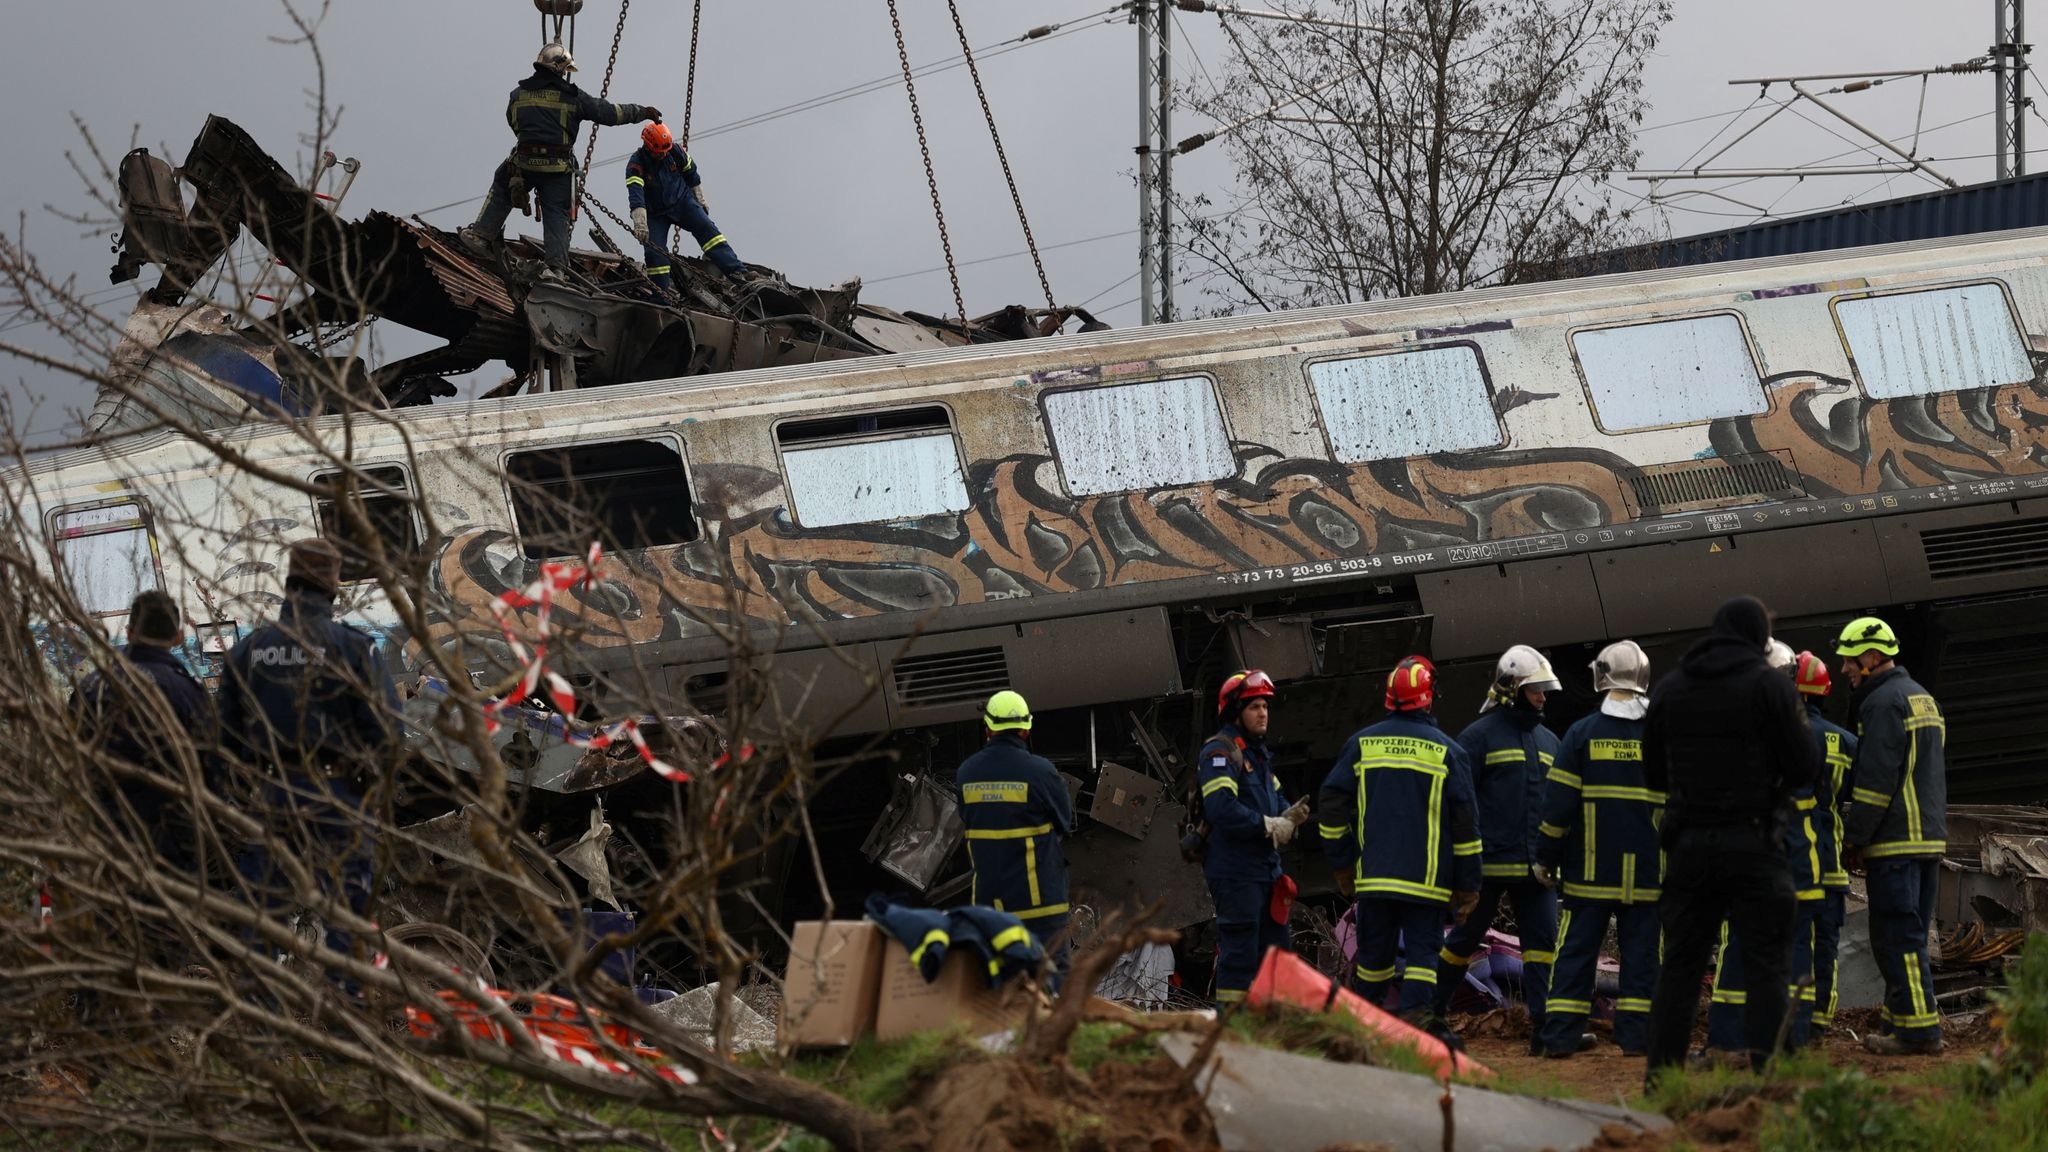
<point x="2009" y="70"/>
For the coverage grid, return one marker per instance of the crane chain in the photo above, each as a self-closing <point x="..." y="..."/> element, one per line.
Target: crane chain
<point x="931" y="178"/>
<point x="690" y="85"/>
<point x="988" y="114"/>
<point x="603" y="93"/>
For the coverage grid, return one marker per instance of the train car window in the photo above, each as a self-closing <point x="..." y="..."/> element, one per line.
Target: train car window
<point x="387" y="504"/>
<point x="1669" y="372"/>
<point x="1943" y="340"/>
<point x="1151" y="434"/>
<point x="1405" y="404"/>
<point x="107" y="555"/>
<point x="627" y="494"/>
<point x="873" y="467"/>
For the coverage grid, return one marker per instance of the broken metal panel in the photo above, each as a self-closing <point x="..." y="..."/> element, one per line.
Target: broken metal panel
<point x="1111" y="872"/>
<point x="1126" y="801"/>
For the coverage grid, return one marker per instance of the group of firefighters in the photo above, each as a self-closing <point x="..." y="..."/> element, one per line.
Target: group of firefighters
<point x="664" y="188"/>
<point x="1724" y="809"/>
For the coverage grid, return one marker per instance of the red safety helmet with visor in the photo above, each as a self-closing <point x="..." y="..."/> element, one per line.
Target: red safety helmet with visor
<point x="1243" y="688"/>
<point x="1411" y="686"/>
<point x="1810" y="673"/>
<point x="658" y="139"/>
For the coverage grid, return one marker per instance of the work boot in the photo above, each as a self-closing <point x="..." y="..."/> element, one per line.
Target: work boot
<point x="1894" y="1046"/>
<point x="478" y="244"/>
<point x="1586" y="1041"/>
<point x="550" y="275"/>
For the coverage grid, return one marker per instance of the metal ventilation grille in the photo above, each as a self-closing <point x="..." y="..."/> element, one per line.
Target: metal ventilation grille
<point x="1725" y="481"/>
<point x="951" y="677"/>
<point x="1984" y="549"/>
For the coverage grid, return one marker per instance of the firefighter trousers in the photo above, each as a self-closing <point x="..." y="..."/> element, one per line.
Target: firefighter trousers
<point x="1901" y="915"/>
<point x="690" y="217"/>
<point x="1535" y="909"/>
<point x="556" y="194"/>
<point x="1730" y="998"/>
<point x="1245" y="930"/>
<point x="1827" y="946"/>
<point x="1385" y="923"/>
<point x="1581" y="929"/>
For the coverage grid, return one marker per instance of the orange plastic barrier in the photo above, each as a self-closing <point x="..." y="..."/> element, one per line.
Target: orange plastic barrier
<point x="1285" y="978"/>
<point x="562" y="1026"/>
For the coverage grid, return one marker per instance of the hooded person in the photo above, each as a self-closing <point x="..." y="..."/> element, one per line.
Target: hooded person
<point x="1727" y="740"/>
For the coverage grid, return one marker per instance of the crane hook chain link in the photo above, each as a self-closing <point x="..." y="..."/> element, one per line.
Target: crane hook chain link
<point x="930" y="177"/>
<point x="988" y="114"/>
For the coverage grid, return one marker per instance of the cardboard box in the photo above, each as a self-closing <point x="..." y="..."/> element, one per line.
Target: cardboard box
<point x="960" y="995"/>
<point x="829" y="989"/>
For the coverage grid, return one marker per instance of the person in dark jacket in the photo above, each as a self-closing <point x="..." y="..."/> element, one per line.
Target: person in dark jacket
<point x="1838" y="751"/>
<point x="546" y="112"/>
<point x="1017" y="811"/>
<point x="1896" y="828"/>
<point x="1399" y="829"/>
<point x="307" y="709"/>
<point x="1727" y="740"/>
<point x="1599" y="844"/>
<point x="1249" y="822"/>
<point x="665" y="189"/>
<point x="147" y="712"/>
<point x="1510" y="752"/>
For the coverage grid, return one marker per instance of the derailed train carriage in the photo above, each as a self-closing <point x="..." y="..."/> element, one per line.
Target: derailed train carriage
<point x="1112" y="522"/>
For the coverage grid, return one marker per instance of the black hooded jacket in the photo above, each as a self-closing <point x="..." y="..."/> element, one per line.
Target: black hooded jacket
<point x="1726" y="735"/>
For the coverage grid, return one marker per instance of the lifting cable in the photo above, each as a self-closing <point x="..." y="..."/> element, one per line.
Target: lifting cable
<point x="590" y="148"/>
<point x="930" y="178"/>
<point x="989" y="115"/>
<point x="690" y="85"/>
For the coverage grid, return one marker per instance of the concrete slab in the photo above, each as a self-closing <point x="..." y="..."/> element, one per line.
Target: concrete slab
<point x="1267" y="1101"/>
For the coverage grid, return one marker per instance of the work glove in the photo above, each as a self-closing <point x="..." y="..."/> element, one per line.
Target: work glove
<point x="1462" y="904"/>
<point x="650" y="112"/>
<point x="1543" y="875"/>
<point x="1279" y="829"/>
<point x="702" y="201"/>
<point x="640" y="225"/>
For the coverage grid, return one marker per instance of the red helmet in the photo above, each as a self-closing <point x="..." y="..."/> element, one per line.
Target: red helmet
<point x="1243" y="688"/>
<point x="1810" y="673"/>
<point x="658" y="139"/>
<point x="1411" y="686"/>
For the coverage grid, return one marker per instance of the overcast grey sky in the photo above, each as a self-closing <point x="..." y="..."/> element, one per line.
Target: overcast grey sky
<point x="839" y="191"/>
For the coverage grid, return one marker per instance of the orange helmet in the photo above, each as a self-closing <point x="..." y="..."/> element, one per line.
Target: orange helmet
<point x="1242" y="688"/>
<point x="658" y="139"/>
<point x="1810" y="673"/>
<point x="1411" y="686"/>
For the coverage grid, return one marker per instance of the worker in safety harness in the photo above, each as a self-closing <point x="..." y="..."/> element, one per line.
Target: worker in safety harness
<point x="546" y="112"/>
<point x="1400" y="829"/>
<point x="1016" y="809"/>
<point x="1249" y="821"/>
<point x="1809" y="850"/>
<point x="1599" y="843"/>
<point x="665" y="189"/>
<point x="1838" y="752"/>
<point x="1897" y="826"/>
<point x="1510" y="752"/>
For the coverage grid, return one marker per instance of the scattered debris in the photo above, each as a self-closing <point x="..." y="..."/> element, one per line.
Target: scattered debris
<point x="696" y="1011"/>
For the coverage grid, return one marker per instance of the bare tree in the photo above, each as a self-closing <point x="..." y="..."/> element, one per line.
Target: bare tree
<point x="1460" y="146"/>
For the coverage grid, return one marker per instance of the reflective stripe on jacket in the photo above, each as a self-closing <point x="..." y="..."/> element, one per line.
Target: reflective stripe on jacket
<point x="1016" y="808"/>
<point x="1599" y="817"/>
<point x="1238" y="790"/>
<point x="1511" y="752"/>
<point x="1898" y="802"/>
<point x="661" y="184"/>
<point x="1838" y="752"/>
<point x="1398" y="805"/>
<point x="546" y="111"/>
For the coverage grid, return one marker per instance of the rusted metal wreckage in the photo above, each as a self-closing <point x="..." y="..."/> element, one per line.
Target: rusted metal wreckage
<point x="606" y="324"/>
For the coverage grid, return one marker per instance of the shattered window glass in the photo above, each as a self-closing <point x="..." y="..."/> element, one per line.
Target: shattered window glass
<point x="1405" y="404"/>
<point x="628" y="494"/>
<point x="875" y="480"/>
<point x="387" y="504"/>
<point x="1152" y="434"/>
<point x="1946" y="340"/>
<point x="107" y="556"/>
<point x="1670" y="372"/>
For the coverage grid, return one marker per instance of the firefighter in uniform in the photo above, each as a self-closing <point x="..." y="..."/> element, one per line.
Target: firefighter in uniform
<point x="1896" y="828"/>
<point x="1016" y="810"/>
<point x="1599" y="843"/>
<point x="1249" y="822"/>
<point x="1399" y="828"/>
<point x="665" y="189"/>
<point x="1510" y="752"/>
<point x="546" y="112"/>
<point x="1838" y="752"/>
<point x="1808" y="853"/>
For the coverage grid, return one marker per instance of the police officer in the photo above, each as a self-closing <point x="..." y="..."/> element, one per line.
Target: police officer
<point x="1510" y="752"/>
<point x="546" y="112"/>
<point x="1599" y="842"/>
<point x="1399" y="827"/>
<point x="1728" y="739"/>
<point x="1017" y="810"/>
<point x="665" y="189"/>
<point x="1249" y="822"/>
<point x="1896" y="828"/>
<point x="1838" y="750"/>
<point x="307" y="707"/>
<point x="1807" y="853"/>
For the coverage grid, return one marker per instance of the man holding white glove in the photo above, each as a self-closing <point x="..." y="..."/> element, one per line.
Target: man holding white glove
<point x="1248" y="823"/>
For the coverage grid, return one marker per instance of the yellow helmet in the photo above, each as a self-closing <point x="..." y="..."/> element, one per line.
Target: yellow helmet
<point x="1007" y="712"/>
<point x="1866" y="634"/>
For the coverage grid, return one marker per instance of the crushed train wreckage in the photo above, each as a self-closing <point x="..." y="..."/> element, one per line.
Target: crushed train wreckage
<point x="606" y="324"/>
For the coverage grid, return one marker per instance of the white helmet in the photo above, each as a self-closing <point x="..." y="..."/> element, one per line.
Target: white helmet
<point x="1621" y="667"/>
<point x="1779" y="655"/>
<point x="1519" y="667"/>
<point x="555" y="58"/>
